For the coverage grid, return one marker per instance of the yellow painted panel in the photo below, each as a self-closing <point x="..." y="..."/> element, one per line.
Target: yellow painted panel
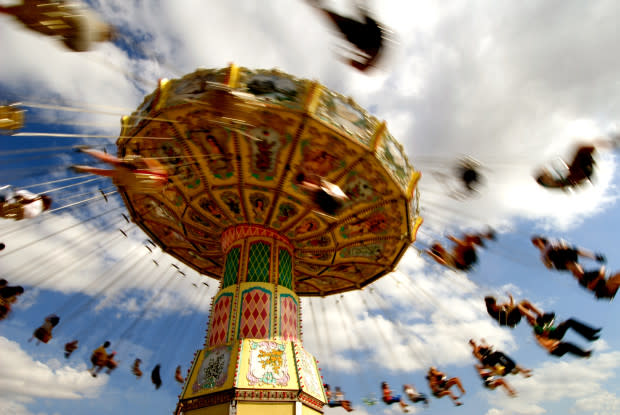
<point x="214" y="150"/>
<point x="284" y="290"/>
<point x="267" y="364"/>
<point x="273" y="89"/>
<point x="212" y="410"/>
<point x="308" y="372"/>
<point x="383" y="221"/>
<point x="345" y="116"/>
<point x="247" y="408"/>
<point x="229" y="289"/>
<point x="392" y="155"/>
<point x="320" y="153"/>
<point x="202" y="384"/>
<point x="265" y="147"/>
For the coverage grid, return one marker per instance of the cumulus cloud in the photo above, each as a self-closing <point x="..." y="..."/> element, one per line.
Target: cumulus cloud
<point x="24" y="379"/>
<point x="67" y="255"/>
<point x="583" y="381"/>
<point x="493" y="92"/>
<point x="603" y="403"/>
<point x="420" y="318"/>
<point x="14" y="408"/>
<point x="460" y="81"/>
<point x="67" y="79"/>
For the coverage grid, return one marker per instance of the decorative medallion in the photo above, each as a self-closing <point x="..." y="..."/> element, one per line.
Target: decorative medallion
<point x="214" y="369"/>
<point x="268" y="364"/>
<point x="259" y="203"/>
<point x="285" y="211"/>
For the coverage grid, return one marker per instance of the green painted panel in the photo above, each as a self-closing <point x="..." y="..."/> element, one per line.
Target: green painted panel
<point x="258" y="265"/>
<point x="285" y="269"/>
<point x="232" y="267"/>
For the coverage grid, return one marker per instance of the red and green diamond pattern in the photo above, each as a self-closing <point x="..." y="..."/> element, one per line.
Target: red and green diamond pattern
<point x="255" y="314"/>
<point x="220" y="320"/>
<point x="288" y="318"/>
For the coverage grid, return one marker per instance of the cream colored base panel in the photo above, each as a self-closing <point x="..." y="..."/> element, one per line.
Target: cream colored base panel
<point x="306" y="410"/>
<point x="266" y="408"/>
<point x="211" y="410"/>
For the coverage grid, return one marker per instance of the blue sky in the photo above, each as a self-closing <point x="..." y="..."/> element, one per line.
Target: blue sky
<point x="513" y="85"/>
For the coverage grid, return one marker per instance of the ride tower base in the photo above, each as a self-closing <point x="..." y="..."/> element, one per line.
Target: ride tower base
<point x="253" y="376"/>
<point x="253" y="361"/>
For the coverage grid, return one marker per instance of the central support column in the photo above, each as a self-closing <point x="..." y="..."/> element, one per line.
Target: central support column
<point x="253" y="361"/>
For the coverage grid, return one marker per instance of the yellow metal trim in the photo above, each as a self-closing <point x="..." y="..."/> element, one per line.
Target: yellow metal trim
<point x="413" y="182"/>
<point x="164" y="89"/>
<point x="19" y="117"/>
<point x="233" y="75"/>
<point x="313" y="100"/>
<point x="377" y="136"/>
<point x="416" y="226"/>
<point x="124" y="126"/>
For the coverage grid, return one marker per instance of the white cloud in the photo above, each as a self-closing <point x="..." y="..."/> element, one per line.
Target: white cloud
<point x="78" y="80"/>
<point x="23" y="379"/>
<point x="583" y="381"/>
<point x="94" y="259"/>
<point x="14" y="408"/>
<point x="505" y="104"/>
<point x="603" y="403"/>
<point x="422" y="319"/>
<point x="493" y="106"/>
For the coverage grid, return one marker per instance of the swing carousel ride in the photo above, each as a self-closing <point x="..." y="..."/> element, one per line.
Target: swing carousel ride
<point x="236" y="143"/>
<point x="276" y="187"/>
